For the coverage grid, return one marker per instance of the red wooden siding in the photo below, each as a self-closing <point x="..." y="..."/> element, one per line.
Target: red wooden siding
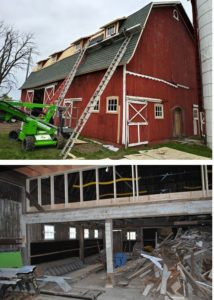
<point x="102" y="125"/>
<point x="165" y="51"/>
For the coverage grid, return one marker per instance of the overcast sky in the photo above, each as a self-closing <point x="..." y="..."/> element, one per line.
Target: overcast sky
<point x="57" y="23"/>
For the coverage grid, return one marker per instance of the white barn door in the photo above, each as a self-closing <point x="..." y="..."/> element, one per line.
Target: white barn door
<point x="136" y="122"/>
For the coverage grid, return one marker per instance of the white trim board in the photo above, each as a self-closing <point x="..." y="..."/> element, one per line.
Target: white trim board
<point x="144" y="25"/>
<point x="176" y="85"/>
<point x="124" y="133"/>
<point x="143" y="99"/>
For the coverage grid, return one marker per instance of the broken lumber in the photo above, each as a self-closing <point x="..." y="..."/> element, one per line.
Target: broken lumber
<point x="140" y="271"/>
<point x="193" y="282"/>
<point x="147" y="289"/>
<point x="165" y="277"/>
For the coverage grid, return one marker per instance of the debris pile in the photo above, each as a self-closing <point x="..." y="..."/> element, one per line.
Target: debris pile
<point x="180" y="267"/>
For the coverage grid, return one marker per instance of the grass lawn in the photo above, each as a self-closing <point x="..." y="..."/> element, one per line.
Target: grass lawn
<point x="10" y="149"/>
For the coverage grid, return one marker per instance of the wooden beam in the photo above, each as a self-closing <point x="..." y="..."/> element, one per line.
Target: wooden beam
<point x="81" y="242"/>
<point x="34" y="202"/>
<point x="10" y="241"/>
<point x="173" y="208"/>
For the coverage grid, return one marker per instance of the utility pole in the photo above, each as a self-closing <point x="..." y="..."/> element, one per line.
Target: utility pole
<point x="28" y="63"/>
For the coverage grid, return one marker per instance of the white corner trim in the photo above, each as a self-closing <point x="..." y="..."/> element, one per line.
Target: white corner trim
<point x="124" y="107"/>
<point x="144" y="25"/>
<point x="176" y="85"/>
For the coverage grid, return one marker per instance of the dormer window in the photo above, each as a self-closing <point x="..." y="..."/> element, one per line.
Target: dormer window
<point x="111" y="30"/>
<point x="78" y="46"/>
<point x="54" y="58"/>
<point x="41" y="63"/>
<point x="112" y="27"/>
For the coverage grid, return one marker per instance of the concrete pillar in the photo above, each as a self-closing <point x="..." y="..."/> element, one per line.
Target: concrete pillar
<point x="81" y="243"/>
<point x="109" y="253"/>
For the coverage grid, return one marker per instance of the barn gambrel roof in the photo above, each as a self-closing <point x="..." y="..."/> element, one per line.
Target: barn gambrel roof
<point x="99" y="55"/>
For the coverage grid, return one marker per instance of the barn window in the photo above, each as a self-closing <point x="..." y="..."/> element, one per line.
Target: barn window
<point x="49" y="232"/>
<point x="112" y="104"/>
<point x="78" y="46"/>
<point x="96" y="233"/>
<point x="72" y="233"/>
<point x="111" y="30"/>
<point x="54" y="58"/>
<point x="86" y="233"/>
<point x="159" y="111"/>
<point x="175" y="14"/>
<point x="131" y="235"/>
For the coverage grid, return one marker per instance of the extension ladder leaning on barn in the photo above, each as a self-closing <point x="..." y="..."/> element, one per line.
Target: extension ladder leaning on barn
<point x="60" y="94"/>
<point x="95" y="98"/>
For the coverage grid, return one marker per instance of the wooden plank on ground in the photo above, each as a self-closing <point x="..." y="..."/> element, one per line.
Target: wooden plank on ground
<point x="165" y="277"/>
<point x="140" y="271"/>
<point x="147" y="289"/>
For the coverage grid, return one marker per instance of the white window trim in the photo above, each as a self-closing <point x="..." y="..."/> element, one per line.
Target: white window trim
<point x="72" y="238"/>
<point x="49" y="238"/>
<point x="107" y="102"/>
<point x="159" y="117"/>
<point x="111" y="26"/>
<point x="116" y="26"/>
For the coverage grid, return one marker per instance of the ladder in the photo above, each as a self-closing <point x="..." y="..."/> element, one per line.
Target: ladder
<point x="59" y="96"/>
<point x="94" y="99"/>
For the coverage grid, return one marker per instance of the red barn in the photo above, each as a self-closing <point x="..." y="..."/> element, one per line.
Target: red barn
<point x="153" y="93"/>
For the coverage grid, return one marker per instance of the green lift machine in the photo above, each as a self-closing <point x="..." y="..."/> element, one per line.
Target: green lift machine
<point x="35" y="131"/>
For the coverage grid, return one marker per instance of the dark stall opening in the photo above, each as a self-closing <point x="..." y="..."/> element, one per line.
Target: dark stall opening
<point x="55" y="250"/>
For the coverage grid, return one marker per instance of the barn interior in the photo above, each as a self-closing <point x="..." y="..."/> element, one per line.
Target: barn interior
<point x="109" y="231"/>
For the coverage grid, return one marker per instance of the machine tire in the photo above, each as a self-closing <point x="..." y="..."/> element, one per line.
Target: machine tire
<point x="28" y="143"/>
<point x="14" y="135"/>
<point x="60" y="142"/>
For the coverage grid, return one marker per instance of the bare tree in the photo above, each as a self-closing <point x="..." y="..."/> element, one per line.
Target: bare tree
<point x="15" y="52"/>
